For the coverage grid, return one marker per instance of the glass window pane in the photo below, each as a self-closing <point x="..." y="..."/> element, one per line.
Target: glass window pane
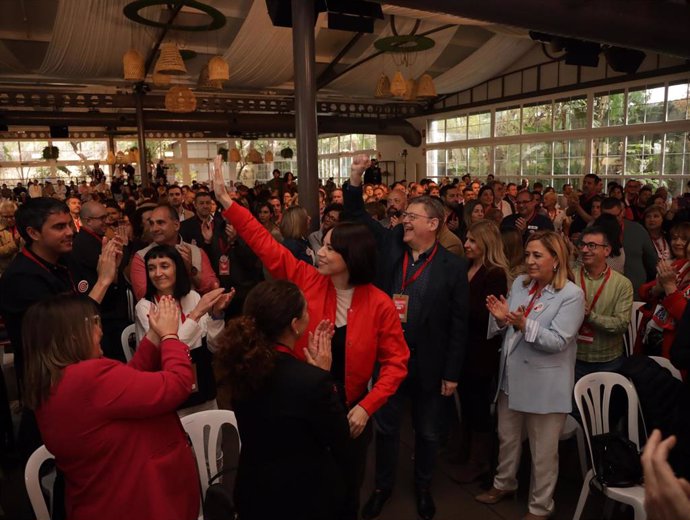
<point x="507" y="160"/>
<point x="537" y="118"/>
<point x="609" y="109"/>
<point x="456" y="129"/>
<point x="479" y="125"/>
<point x="456" y="162"/>
<point x="570" y="114"/>
<point x="607" y="155"/>
<point x="507" y="122"/>
<point x="479" y="160"/>
<point x="437" y="131"/>
<point x="569" y="157"/>
<point x="345" y="143"/>
<point x="677" y="150"/>
<point x="369" y="142"/>
<point x="643" y="155"/>
<point x="678" y="105"/>
<point x="9" y="151"/>
<point x="436" y="163"/>
<point x="536" y="159"/>
<point x="68" y="150"/>
<point x="646" y="105"/>
<point x="31" y="150"/>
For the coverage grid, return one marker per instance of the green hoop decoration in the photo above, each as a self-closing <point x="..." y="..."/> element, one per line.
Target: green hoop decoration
<point x="404" y="43"/>
<point x="132" y="9"/>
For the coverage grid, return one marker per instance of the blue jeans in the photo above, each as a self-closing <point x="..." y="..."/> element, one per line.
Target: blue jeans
<point x="426" y="409"/>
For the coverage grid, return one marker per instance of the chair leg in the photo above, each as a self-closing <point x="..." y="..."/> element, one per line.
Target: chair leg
<point x="584" y="494"/>
<point x="581" y="451"/>
<point x="640" y="513"/>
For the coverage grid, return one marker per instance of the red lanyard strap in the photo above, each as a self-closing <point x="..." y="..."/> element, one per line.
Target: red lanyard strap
<point x="601" y="287"/>
<point x="535" y="296"/>
<point x="405" y="282"/>
<point x="28" y="254"/>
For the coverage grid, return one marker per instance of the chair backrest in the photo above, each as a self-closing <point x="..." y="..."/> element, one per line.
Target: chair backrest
<point x="593" y="398"/>
<point x="32" y="481"/>
<point x="209" y="421"/>
<point x="666" y="363"/>
<point x="131" y="314"/>
<point x="630" y="336"/>
<point x="124" y="339"/>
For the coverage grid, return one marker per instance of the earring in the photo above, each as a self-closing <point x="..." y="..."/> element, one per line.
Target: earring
<point x="555" y="268"/>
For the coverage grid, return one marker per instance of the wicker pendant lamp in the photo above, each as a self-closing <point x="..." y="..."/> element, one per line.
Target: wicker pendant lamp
<point x="218" y="69"/>
<point x="180" y="99"/>
<point x="425" y="87"/>
<point x="383" y="87"/>
<point x="235" y="155"/>
<point x="133" y="65"/>
<point x="170" y="60"/>
<point x="254" y="157"/>
<point x="110" y="159"/>
<point x="411" y="92"/>
<point x="268" y="156"/>
<point x="398" y="85"/>
<point x="161" y="80"/>
<point x="206" y="84"/>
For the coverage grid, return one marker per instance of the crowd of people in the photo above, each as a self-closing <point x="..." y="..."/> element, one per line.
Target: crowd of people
<point x="403" y="297"/>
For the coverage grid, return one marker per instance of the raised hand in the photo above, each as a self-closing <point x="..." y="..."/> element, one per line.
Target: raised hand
<point x="666" y="275"/>
<point x="109" y="260"/>
<point x="222" y="302"/>
<point x="186" y="254"/>
<point x="517" y="318"/>
<point x="521" y="224"/>
<point x="318" y="351"/>
<point x="206" y="303"/>
<point x="360" y="163"/>
<point x="165" y="318"/>
<point x="498" y="308"/>
<point x="219" y="187"/>
<point x="667" y="497"/>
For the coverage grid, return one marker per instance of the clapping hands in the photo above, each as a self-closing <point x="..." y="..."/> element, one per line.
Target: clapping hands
<point x="318" y="351"/>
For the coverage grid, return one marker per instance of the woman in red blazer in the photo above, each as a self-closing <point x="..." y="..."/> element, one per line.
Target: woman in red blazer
<point x="367" y="325"/>
<point x="112" y="427"/>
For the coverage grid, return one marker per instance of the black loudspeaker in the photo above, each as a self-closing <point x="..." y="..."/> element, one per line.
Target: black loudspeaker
<point x="280" y="11"/>
<point x="59" y="132"/>
<point x="624" y="60"/>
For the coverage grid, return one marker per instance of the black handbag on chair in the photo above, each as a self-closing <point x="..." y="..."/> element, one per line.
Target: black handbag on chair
<point x="616" y="459"/>
<point x="218" y="502"/>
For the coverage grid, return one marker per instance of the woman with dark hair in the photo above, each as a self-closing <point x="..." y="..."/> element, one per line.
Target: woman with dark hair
<point x="264" y="213"/>
<point x="654" y="224"/>
<point x="112" y="427"/>
<point x="473" y="212"/>
<point x="367" y="326"/>
<point x="486" y="197"/>
<point x="275" y="395"/>
<point x="201" y="319"/>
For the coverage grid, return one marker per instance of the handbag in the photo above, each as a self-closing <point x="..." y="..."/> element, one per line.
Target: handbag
<point x="218" y="502"/>
<point x="616" y="460"/>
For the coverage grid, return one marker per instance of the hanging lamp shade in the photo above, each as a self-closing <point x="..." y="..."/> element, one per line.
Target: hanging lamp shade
<point x="398" y="85"/>
<point x="206" y="84"/>
<point x="411" y="91"/>
<point x="235" y="155"/>
<point x="120" y="157"/>
<point x="254" y="157"/>
<point x="180" y="99"/>
<point x="218" y="69"/>
<point x="170" y="60"/>
<point x="268" y="156"/>
<point x="110" y="159"/>
<point x="425" y="87"/>
<point x="133" y="65"/>
<point x="383" y="87"/>
<point x="161" y="80"/>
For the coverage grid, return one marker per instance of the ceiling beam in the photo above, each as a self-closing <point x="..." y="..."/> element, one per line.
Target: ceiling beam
<point x="660" y="27"/>
<point x="329" y="70"/>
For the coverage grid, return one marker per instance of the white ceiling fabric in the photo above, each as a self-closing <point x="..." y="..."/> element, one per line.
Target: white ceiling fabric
<point x="492" y="58"/>
<point x="89" y="38"/>
<point x="362" y="79"/>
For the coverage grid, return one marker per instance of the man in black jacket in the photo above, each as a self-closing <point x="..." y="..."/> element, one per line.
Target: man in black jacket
<point x="526" y="220"/>
<point x="430" y="290"/>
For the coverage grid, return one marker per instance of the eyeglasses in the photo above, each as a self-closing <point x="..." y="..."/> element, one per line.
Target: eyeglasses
<point x="413" y="216"/>
<point x="98" y="218"/>
<point x="95" y="320"/>
<point x="521" y="202"/>
<point x="592" y="246"/>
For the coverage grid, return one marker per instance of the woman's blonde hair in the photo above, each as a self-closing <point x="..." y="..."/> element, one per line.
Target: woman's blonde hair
<point x="556" y="246"/>
<point x="487" y="235"/>
<point x="295" y="223"/>
<point x="56" y="333"/>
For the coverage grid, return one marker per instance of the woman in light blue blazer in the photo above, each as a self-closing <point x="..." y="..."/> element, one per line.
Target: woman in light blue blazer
<point x="539" y="323"/>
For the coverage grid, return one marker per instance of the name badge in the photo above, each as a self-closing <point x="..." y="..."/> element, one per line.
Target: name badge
<point x="224" y="265"/>
<point x="401" y="302"/>
<point x="585" y="334"/>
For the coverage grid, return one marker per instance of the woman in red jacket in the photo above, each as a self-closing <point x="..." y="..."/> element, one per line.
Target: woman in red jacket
<point x="666" y="297"/>
<point x="367" y="326"/>
<point x="112" y="428"/>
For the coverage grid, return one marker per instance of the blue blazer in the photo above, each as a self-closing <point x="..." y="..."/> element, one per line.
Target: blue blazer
<point x="540" y="362"/>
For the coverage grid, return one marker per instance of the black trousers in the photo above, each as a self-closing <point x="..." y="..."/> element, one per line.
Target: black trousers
<point x="354" y="466"/>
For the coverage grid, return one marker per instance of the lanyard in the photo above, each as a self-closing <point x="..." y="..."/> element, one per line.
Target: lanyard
<point x="94" y="235"/>
<point x="601" y="287"/>
<point x="285" y="350"/>
<point x="28" y="254"/>
<point x="418" y="273"/>
<point x="535" y="296"/>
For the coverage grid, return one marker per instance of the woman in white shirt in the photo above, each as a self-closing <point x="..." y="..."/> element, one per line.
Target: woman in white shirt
<point x="201" y="319"/>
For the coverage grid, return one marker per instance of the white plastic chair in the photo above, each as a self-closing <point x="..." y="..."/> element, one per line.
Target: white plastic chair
<point x="666" y="363"/>
<point x="131" y="314"/>
<point x="124" y="340"/>
<point x="32" y="481"/>
<point x="630" y="336"/>
<point x="204" y="446"/>
<point x="572" y="428"/>
<point x="593" y="397"/>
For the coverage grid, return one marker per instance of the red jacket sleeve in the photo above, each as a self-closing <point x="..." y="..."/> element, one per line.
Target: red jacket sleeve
<point x="125" y="392"/>
<point x="147" y="357"/>
<point x="208" y="276"/>
<point x="645" y="291"/>
<point x="392" y="355"/>
<point x="137" y="276"/>
<point x="279" y="262"/>
<point x="675" y="304"/>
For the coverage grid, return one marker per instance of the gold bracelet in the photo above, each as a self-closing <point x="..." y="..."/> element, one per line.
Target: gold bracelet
<point x="170" y="336"/>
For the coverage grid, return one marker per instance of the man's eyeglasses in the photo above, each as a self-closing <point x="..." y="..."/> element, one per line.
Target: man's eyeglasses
<point x="101" y="217"/>
<point x="591" y="246"/>
<point x="413" y="216"/>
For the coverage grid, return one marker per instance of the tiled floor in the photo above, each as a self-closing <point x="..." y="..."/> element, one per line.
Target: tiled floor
<point x="453" y="501"/>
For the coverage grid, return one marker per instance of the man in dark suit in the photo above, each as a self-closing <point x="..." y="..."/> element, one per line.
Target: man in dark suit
<point x="527" y="220"/>
<point x="430" y="290"/>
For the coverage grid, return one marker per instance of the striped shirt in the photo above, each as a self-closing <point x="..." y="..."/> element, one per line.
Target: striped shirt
<point x="609" y="318"/>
